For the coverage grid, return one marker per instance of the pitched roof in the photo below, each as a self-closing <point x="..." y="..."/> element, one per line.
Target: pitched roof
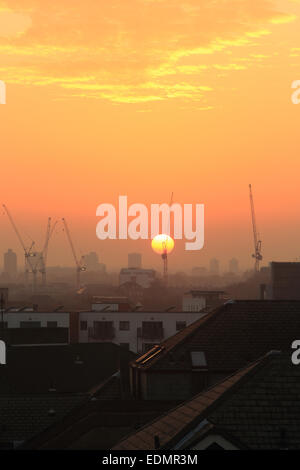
<point x="231" y="336"/>
<point x="257" y="406"/>
<point x="110" y="389"/>
<point x="18" y="336"/>
<point x="196" y="292"/>
<point x="23" y="416"/>
<point x="65" y="368"/>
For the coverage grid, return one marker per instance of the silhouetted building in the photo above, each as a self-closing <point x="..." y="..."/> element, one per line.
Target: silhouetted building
<point x="233" y="266"/>
<point x="133" y="329"/>
<point x="199" y="271"/>
<point x="110" y="304"/>
<point x="143" y="277"/>
<point x="256" y="408"/>
<point x="3" y="297"/>
<point x="92" y="262"/>
<point x="197" y="300"/>
<point x="133" y="291"/>
<point x="26" y="326"/>
<point x="135" y="260"/>
<point x="285" y="281"/>
<point x="215" y="346"/>
<point x="10" y="264"/>
<point x="265" y="270"/>
<point x="41" y="385"/>
<point x="214" y="266"/>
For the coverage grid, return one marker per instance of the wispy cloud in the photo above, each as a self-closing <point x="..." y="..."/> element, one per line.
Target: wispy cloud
<point x="13" y="24"/>
<point x="131" y="51"/>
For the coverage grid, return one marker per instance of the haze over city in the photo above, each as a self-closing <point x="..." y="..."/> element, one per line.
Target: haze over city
<point x="122" y="326"/>
<point x="98" y="106"/>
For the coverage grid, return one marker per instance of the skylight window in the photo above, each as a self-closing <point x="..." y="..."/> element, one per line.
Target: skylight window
<point x="198" y="359"/>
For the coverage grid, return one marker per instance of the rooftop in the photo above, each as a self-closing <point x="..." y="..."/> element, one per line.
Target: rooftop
<point x="256" y="408"/>
<point x="71" y="368"/>
<point x="195" y="292"/>
<point x="230" y="336"/>
<point x="24" y="416"/>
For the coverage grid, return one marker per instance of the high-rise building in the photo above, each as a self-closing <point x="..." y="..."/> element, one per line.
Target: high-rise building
<point x="92" y="262"/>
<point x="10" y="264"/>
<point x="233" y="266"/>
<point x="214" y="266"/>
<point x="134" y="260"/>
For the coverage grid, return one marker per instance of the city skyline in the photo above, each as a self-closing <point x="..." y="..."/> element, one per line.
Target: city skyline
<point x="149" y="249"/>
<point x="213" y="266"/>
<point x="169" y="106"/>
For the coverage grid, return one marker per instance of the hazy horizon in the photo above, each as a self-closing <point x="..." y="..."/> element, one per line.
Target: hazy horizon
<point x="144" y="99"/>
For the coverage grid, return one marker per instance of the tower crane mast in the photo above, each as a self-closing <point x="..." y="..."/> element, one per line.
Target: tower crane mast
<point x="80" y="266"/>
<point x="29" y="267"/>
<point x="257" y="242"/>
<point x="44" y="253"/>
<point x="165" y="249"/>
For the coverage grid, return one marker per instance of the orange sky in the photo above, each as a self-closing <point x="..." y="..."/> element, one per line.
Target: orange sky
<point x="146" y="97"/>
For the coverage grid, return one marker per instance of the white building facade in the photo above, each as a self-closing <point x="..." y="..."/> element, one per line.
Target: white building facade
<point x="31" y="319"/>
<point x="138" y="331"/>
<point x="197" y="300"/>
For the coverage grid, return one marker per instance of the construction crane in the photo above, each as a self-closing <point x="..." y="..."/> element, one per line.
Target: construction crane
<point x="44" y="253"/>
<point x="165" y="249"/>
<point x="80" y="265"/>
<point x="165" y="261"/>
<point x="28" y="252"/>
<point x="257" y="242"/>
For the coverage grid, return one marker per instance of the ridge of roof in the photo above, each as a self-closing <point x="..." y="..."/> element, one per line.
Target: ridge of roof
<point x="168" y="344"/>
<point x="184" y="413"/>
<point x="152" y="356"/>
<point x="215" y="429"/>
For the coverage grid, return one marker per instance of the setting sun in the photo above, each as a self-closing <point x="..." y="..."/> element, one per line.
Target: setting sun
<point x="162" y="243"/>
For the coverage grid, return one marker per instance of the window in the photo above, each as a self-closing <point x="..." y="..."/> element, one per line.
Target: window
<point x="180" y="325"/>
<point x="124" y="346"/>
<point x="198" y="359"/>
<point x="124" y="326"/>
<point x="83" y="325"/>
<point x="102" y="330"/>
<point x="30" y="324"/>
<point x="51" y="324"/>
<point x="152" y="330"/>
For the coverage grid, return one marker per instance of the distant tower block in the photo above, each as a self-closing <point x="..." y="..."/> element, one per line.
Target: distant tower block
<point x="10" y="264"/>
<point x="233" y="266"/>
<point x="91" y="261"/>
<point x="214" y="266"/>
<point x="134" y="260"/>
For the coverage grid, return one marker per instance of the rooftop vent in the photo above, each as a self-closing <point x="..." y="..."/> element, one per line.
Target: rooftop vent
<point x="78" y="361"/>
